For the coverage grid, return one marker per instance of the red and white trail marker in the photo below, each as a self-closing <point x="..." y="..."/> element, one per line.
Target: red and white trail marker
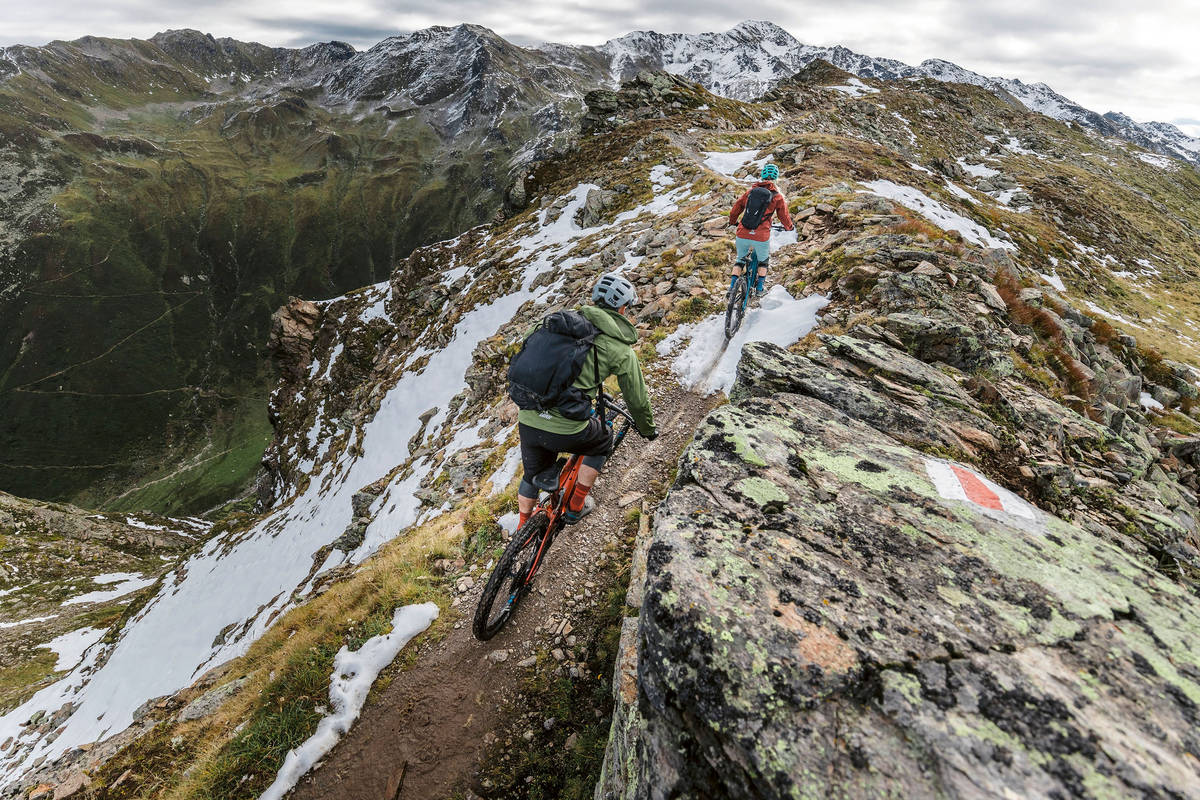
<point x="956" y="482"/>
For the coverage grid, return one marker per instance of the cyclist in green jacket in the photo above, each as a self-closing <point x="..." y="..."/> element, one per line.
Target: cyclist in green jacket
<point x="545" y="434"/>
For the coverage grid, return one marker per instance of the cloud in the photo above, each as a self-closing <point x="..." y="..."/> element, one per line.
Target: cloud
<point x="1139" y="58"/>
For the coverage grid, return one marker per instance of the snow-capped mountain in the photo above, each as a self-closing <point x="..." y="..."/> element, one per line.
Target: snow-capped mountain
<point x="466" y="75"/>
<point x="742" y="63"/>
<point x="751" y="57"/>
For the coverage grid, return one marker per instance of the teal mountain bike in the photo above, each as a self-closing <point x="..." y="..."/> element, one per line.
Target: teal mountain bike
<point x="739" y="295"/>
<point x="742" y="290"/>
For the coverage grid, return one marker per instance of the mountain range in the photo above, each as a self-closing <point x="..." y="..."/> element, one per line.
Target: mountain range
<point x="162" y="196"/>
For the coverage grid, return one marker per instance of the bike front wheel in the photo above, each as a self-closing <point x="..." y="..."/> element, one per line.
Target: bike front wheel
<point x="735" y="308"/>
<point x="507" y="583"/>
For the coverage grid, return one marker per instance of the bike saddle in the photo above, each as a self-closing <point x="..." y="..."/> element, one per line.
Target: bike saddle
<point x="547" y="479"/>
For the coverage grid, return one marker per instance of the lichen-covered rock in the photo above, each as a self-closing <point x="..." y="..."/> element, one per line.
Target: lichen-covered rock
<point x="830" y="613"/>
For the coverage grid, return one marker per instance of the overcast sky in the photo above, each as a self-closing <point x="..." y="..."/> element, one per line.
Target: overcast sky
<point x="1140" y="57"/>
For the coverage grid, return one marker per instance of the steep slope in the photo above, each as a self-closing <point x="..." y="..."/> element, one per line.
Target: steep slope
<point x="69" y="576"/>
<point x="164" y="196"/>
<point x="389" y="419"/>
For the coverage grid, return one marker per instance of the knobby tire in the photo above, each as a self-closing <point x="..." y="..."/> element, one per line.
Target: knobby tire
<point x="508" y="578"/>
<point x="735" y="308"/>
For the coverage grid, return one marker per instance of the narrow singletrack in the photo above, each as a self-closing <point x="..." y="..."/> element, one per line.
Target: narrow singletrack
<point x="424" y="735"/>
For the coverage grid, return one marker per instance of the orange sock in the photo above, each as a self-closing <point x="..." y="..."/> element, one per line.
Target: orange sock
<point x="581" y="493"/>
<point x="522" y="518"/>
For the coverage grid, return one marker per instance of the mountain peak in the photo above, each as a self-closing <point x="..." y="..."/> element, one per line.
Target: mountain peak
<point x="760" y="27"/>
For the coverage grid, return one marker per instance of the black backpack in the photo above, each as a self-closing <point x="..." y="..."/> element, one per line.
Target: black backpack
<point x="756" y="207"/>
<point x="542" y="374"/>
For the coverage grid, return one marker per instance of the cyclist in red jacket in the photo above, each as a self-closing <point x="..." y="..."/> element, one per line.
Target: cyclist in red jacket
<point x="754" y="208"/>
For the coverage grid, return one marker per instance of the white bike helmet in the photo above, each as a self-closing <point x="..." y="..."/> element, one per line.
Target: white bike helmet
<point x="614" y="291"/>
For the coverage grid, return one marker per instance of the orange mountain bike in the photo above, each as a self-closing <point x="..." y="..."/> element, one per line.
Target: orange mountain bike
<point x="513" y="576"/>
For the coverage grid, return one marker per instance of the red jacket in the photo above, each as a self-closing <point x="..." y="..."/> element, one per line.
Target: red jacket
<point x="763" y="232"/>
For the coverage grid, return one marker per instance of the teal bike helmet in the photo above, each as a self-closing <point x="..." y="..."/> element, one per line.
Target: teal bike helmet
<point x="769" y="172"/>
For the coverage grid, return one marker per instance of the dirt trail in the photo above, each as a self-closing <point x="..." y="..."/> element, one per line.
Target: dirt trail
<point x="424" y="734"/>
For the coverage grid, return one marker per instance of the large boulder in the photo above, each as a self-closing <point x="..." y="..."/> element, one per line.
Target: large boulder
<point x="829" y="612"/>
<point x="293" y="327"/>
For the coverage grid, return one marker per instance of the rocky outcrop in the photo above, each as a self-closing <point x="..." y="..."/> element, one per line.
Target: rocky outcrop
<point x="831" y="612"/>
<point x="649" y="95"/>
<point x="292" y="329"/>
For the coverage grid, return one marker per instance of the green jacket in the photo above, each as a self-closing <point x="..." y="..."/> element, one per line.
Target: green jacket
<point x="615" y="357"/>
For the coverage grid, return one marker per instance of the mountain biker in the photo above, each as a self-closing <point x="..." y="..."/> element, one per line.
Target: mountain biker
<point x="545" y="434"/>
<point x="758" y="238"/>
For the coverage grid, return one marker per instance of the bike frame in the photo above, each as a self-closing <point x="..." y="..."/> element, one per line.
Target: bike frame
<point x="554" y="505"/>
<point x="751" y="273"/>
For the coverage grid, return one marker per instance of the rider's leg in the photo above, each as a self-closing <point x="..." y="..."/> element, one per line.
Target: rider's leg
<point x="589" y="470"/>
<point x="526" y="500"/>
<point x="535" y="457"/>
<point x="595" y="446"/>
<point x="760" y="286"/>
<point x="743" y="250"/>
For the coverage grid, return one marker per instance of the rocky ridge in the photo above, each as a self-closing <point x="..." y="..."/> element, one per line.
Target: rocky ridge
<point x="900" y="562"/>
<point x="376" y="434"/>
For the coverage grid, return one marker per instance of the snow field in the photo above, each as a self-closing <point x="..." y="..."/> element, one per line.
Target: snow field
<point x="704" y="363"/>
<point x="937" y="213"/>
<point x="354" y="671"/>
<point x="729" y="163"/>
<point x="71" y="646"/>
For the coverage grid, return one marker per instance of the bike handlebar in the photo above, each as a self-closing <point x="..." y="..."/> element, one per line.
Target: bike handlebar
<point x="614" y="411"/>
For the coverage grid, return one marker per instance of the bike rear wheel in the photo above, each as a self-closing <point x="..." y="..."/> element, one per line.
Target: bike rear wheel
<point x="735" y="307"/>
<point x="507" y="583"/>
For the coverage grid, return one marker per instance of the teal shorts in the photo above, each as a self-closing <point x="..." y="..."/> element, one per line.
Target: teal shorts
<point x="762" y="250"/>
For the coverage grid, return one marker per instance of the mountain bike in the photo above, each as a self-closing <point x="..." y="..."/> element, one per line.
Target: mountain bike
<point x="739" y="294"/>
<point x="513" y="576"/>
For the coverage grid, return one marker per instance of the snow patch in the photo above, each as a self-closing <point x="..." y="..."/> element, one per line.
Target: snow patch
<point x="29" y="621"/>
<point x="729" y="163"/>
<point x="1162" y="162"/>
<point x="354" y="671"/>
<point x="1111" y="315"/>
<point x="1149" y="402"/>
<point x="937" y="213"/>
<point x="978" y="170"/>
<point x="958" y="191"/>
<point x="507" y="470"/>
<point x="661" y="178"/>
<point x="855" y="88"/>
<point x="1053" y="280"/>
<point x="707" y="364"/>
<point x="122" y="588"/>
<point x="70" y="647"/>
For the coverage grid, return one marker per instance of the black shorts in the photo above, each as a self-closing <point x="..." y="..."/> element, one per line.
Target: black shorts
<point x="540" y="449"/>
